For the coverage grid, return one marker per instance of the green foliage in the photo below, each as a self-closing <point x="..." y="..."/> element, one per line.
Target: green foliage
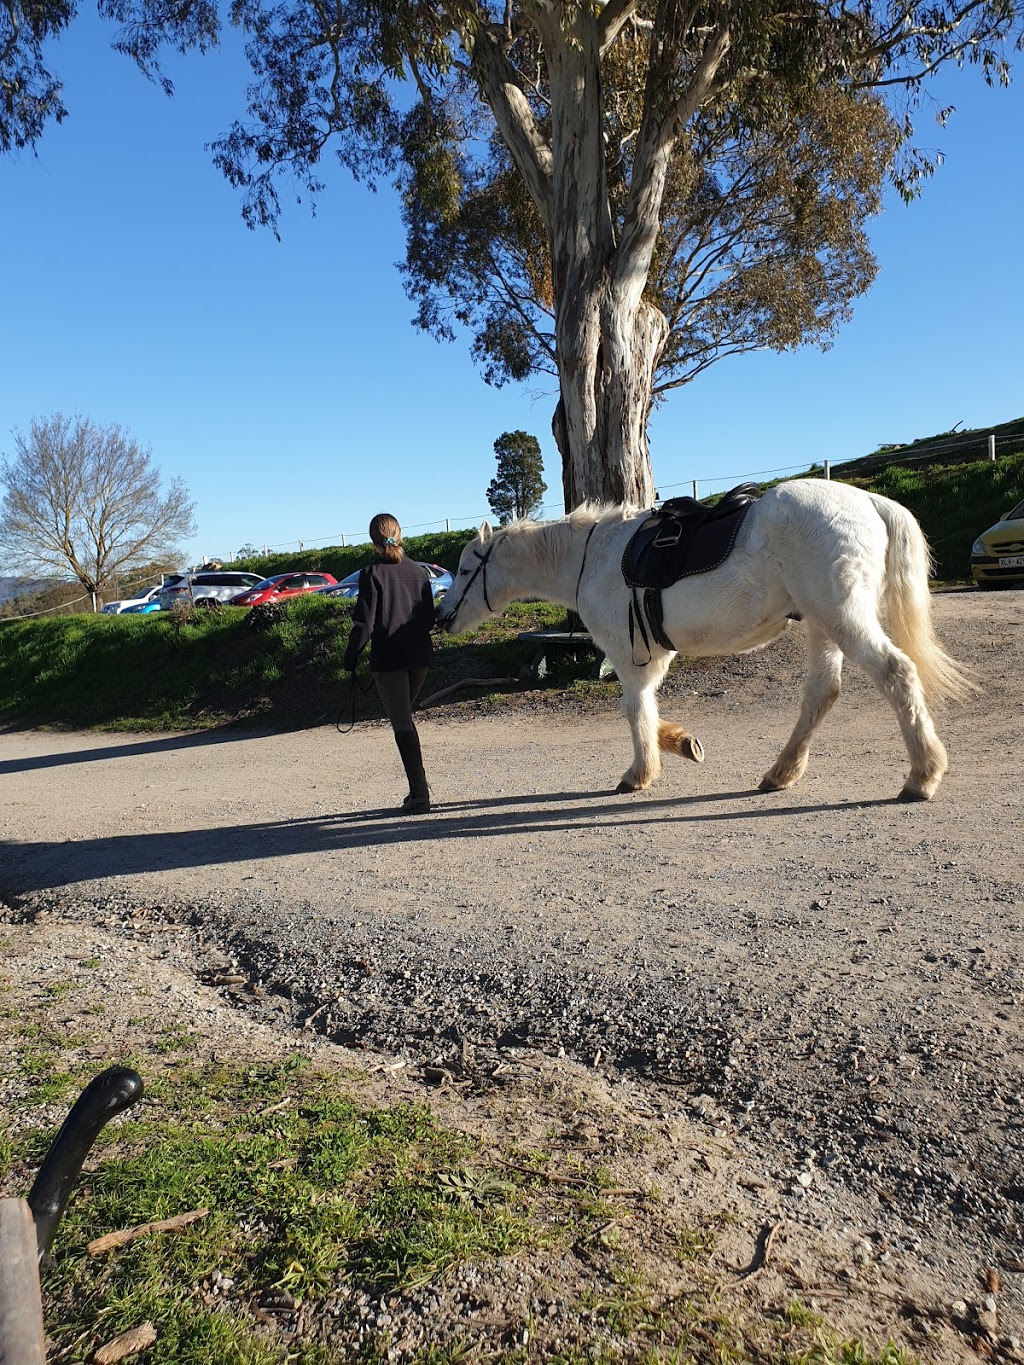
<point x="953" y="503"/>
<point x="162" y="671"/>
<point x="517" y="489"/>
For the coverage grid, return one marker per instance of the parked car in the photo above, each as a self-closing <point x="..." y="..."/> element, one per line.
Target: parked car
<point x="997" y="556"/>
<point x="284" y="585"/>
<point x="207" y="588"/>
<point x="142" y="599"/>
<point x="441" y="581"/>
<point x="141" y="607"/>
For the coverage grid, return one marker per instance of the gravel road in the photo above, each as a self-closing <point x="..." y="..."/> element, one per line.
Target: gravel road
<point x="832" y="978"/>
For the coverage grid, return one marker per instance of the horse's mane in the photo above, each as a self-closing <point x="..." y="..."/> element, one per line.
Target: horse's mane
<point x="549" y="540"/>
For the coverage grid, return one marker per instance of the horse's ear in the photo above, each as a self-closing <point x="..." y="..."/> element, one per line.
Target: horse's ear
<point x="485" y="531"/>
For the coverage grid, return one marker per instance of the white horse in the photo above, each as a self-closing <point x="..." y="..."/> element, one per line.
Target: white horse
<point x="814" y="549"/>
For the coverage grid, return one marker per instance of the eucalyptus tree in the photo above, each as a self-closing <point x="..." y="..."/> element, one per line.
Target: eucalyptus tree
<point x="619" y="192"/>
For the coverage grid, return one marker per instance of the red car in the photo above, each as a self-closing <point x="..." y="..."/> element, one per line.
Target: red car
<point x="284" y="585"/>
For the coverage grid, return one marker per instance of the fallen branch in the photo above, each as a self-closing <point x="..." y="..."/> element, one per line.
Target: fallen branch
<point x="466" y="682"/>
<point x="127" y="1344"/>
<point x="117" y="1239"/>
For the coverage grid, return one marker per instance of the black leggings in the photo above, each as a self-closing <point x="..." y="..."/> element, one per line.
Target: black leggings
<point x="398" y="690"/>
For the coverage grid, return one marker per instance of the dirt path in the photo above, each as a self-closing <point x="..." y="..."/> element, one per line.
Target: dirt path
<point x="829" y="978"/>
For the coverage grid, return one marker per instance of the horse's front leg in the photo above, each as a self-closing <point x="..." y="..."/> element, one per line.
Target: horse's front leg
<point x="651" y="735"/>
<point x="641" y="710"/>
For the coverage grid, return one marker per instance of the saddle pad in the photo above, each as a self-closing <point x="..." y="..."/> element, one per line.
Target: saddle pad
<point x="684" y="537"/>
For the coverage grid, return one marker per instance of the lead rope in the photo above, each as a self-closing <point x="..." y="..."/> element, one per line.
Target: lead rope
<point x="354" y="687"/>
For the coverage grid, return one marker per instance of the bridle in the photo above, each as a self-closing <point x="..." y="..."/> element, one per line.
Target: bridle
<point x="480" y="568"/>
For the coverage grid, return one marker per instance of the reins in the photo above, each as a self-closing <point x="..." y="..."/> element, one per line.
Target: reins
<point x="579" y="580"/>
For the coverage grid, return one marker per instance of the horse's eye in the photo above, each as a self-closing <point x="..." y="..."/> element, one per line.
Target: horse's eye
<point x="463" y="573"/>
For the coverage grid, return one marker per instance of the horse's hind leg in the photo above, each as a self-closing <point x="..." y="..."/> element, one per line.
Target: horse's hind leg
<point x="821" y="688"/>
<point x="896" y="677"/>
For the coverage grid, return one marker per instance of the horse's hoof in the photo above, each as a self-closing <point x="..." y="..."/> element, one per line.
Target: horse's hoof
<point x="909" y="794"/>
<point x="624" y="788"/>
<point x="691" y="747"/>
<point x="768" y="785"/>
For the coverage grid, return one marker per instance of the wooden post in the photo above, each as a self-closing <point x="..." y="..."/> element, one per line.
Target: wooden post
<point x="828" y="469"/>
<point x="447" y="524"/>
<point x="991" y="445"/>
<point x="22" y="1340"/>
<point x="696" y="495"/>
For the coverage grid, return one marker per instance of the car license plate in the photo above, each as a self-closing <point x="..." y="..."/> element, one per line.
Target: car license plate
<point x="1013" y="562"/>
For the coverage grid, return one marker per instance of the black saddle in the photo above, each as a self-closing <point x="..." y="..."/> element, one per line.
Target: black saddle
<point x="680" y="538"/>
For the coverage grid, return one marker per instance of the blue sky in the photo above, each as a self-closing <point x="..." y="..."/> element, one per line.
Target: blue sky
<point x="284" y="382"/>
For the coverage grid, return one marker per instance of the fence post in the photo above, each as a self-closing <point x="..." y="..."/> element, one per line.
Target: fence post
<point x="991" y="445"/>
<point x="344" y="542"/>
<point x="447" y="524"/>
<point x="828" y="469"/>
<point x="21" y="1312"/>
<point x="695" y="493"/>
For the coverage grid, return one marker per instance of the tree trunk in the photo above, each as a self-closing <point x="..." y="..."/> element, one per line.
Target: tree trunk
<point x="607" y="356"/>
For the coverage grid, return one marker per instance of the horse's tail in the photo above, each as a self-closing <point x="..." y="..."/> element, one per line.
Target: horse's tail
<point x="908" y="564"/>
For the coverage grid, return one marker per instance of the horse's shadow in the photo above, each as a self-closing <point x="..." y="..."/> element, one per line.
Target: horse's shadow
<point x="41" y="865"/>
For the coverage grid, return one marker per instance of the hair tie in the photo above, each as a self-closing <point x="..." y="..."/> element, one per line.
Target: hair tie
<point x="390" y="540"/>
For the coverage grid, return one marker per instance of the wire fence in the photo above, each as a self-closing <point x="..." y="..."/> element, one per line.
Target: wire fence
<point x="702" y="485"/>
<point x="61" y="606"/>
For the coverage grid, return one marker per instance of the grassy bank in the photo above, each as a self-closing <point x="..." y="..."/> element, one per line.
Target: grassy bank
<point x="953" y="503"/>
<point x="279" y="666"/>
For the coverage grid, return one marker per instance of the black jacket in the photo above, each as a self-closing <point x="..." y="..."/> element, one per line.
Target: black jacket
<point x="394" y="612"/>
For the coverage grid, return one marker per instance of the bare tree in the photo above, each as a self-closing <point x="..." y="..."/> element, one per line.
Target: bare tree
<point x="85" y="499"/>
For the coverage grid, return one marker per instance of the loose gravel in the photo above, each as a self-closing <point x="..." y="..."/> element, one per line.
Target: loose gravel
<point x="826" y="980"/>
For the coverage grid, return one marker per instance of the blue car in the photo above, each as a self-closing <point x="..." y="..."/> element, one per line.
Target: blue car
<point x="141" y="607"/>
<point x="440" y="582"/>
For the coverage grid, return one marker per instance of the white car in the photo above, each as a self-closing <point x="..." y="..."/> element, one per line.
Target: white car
<point x="143" y="598"/>
<point x="207" y="588"/>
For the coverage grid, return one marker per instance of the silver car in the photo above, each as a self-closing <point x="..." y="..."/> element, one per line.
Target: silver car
<point x="207" y="587"/>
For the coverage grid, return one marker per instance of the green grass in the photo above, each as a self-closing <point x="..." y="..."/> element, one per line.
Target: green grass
<point x="306" y="1189"/>
<point x="156" y="672"/>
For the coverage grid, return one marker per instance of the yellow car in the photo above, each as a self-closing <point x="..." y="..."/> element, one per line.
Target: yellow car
<point x="997" y="556"/>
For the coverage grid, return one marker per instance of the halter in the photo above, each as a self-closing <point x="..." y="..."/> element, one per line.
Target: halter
<point x="481" y="567"/>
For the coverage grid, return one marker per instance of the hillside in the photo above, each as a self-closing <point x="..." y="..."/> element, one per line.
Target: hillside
<point x="946" y="448"/>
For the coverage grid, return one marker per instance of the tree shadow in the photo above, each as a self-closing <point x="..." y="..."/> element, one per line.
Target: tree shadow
<point x="225" y="734"/>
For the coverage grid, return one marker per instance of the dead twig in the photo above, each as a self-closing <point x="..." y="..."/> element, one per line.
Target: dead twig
<point x="765" y="1238"/>
<point x="465" y="682"/>
<point x="127" y="1344"/>
<point x="554" y="1179"/>
<point x="118" y="1239"/>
